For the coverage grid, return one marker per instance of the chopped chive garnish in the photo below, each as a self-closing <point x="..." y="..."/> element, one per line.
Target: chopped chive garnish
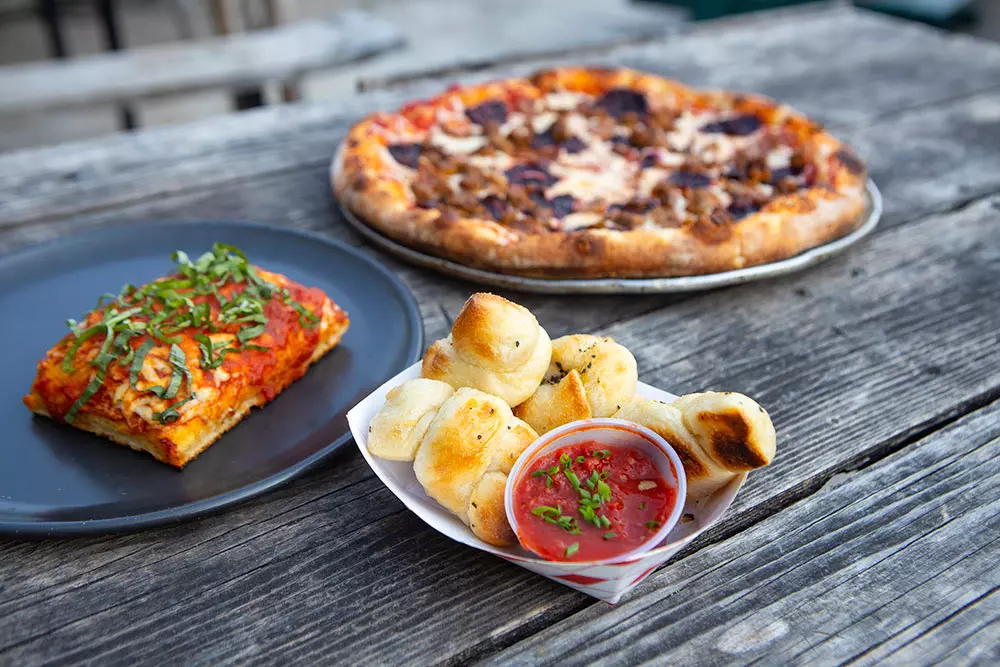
<point x="610" y="535"/>
<point x="580" y="459"/>
<point x="642" y="505"/>
<point x="555" y="516"/>
<point x="553" y="470"/>
<point x="652" y="525"/>
<point x="538" y="473"/>
<point x="602" y="453"/>
<point x="573" y="479"/>
<point x="572" y="549"/>
<point x="605" y="521"/>
<point x="604" y="491"/>
<point x="548" y="482"/>
<point x="590" y="484"/>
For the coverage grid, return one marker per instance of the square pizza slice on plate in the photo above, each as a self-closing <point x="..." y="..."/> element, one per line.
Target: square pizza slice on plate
<point x="169" y="367"/>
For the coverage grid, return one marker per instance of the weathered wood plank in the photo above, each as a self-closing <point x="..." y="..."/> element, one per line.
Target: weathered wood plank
<point x="894" y="564"/>
<point x="840" y="65"/>
<point x="275" y="54"/>
<point x="270" y="166"/>
<point x="94" y="176"/>
<point x="924" y="160"/>
<point x="850" y="359"/>
<point x="452" y="35"/>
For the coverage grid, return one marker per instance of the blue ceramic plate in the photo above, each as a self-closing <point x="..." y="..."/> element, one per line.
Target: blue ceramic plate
<point x="57" y="481"/>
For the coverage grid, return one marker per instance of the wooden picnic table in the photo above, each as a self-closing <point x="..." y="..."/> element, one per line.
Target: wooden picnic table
<point x="873" y="536"/>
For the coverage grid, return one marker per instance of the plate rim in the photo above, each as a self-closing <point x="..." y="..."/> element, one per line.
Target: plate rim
<point x="667" y="285"/>
<point x="205" y="506"/>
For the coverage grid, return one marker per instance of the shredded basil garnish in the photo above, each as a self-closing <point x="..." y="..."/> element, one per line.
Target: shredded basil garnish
<point x="249" y="333"/>
<point x="172" y="414"/>
<point x="140" y="358"/>
<point x="88" y="393"/>
<point x="200" y="296"/>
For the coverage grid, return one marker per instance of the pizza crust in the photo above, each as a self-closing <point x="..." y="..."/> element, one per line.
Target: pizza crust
<point x="369" y="183"/>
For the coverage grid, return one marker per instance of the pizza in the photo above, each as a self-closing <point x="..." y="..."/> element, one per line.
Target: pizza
<point x="168" y="367"/>
<point x="590" y="173"/>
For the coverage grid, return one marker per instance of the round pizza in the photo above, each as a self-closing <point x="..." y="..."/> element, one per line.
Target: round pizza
<point x="591" y="173"/>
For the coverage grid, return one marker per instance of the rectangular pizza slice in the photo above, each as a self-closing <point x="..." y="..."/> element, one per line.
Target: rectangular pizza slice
<point x="168" y="367"/>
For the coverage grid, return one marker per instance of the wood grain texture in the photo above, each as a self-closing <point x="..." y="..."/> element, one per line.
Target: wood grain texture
<point x="452" y="35"/>
<point x="839" y="65"/>
<point x="849" y="358"/>
<point x="74" y="179"/>
<point x="270" y="166"/>
<point x="855" y="359"/>
<point x="894" y="564"/>
<point x="267" y="55"/>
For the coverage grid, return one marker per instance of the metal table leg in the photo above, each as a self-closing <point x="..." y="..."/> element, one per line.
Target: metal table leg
<point x="48" y="11"/>
<point x="108" y="15"/>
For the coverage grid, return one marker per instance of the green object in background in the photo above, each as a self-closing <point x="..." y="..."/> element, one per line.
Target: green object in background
<point x="937" y="12"/>
<point x="943" y="13"/>
<point x="713" y="9"/>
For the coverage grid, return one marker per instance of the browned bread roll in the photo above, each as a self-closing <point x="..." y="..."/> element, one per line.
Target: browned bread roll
<point x="495" y="346"/>
<point x="462" y="444"/>
<point x="487" y="516"/>
<point x="589" y="376"/>
<point x="716" y="435"/>
<point x="396" y="431"/>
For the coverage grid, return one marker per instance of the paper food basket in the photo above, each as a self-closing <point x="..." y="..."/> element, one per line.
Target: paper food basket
<point x="606" y="582"/>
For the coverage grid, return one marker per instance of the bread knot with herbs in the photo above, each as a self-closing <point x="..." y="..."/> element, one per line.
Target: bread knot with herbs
<point x="716" y="435"/>
<point x="495" y="346"/>
<point x="462" y="443"/>
<point x="589" y="376"/>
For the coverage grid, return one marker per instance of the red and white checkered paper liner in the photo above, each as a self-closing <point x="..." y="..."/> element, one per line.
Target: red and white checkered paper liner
<point x="605" y="581"/>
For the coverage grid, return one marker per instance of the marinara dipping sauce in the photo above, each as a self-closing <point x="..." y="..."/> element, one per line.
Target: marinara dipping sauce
<point x="590" y="500"/>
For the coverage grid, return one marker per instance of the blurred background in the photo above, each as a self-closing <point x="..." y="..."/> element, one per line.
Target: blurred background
<point x="71" y="69"/>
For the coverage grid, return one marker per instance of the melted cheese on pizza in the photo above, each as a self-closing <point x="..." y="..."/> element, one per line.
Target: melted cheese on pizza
<point x="568" y="160"/>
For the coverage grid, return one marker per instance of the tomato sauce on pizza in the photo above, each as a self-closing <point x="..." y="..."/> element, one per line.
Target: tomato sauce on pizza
<point x="600" y="173"/>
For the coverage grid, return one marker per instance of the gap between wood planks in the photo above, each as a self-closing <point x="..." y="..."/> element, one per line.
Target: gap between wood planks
<point x="566" y="603"/>
<point x="676" y="299"/>
<point x="821" y="557"/>
<point x="740" y="522"/>
<point x="514" y="633"/>
<point x="764" y="17"/>
<point x="180" y="601"/>
<point x="700" y="55"/>
<point x="366" y="85"/>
